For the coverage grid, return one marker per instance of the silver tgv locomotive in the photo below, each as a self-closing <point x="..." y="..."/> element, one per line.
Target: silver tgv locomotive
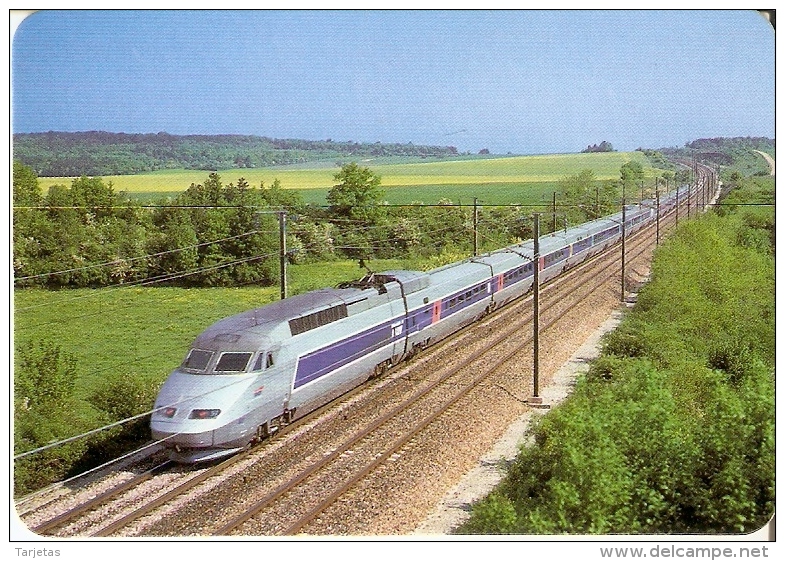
<point x="249" y="374"/>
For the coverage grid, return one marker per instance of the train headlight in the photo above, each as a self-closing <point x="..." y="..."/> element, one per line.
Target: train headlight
<point x="204" y="413"/>
<point x="167" y="412"/>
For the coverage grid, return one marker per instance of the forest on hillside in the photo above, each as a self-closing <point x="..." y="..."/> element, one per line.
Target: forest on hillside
<point x="97" y="153"/>
<point x="93" y="153"/>
<point x="737" y="152"/>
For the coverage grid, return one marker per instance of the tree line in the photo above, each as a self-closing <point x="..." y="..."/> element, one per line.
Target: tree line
<point x="73" y="154"/>
<point x="217" y="234"/>
<point x="212" y="234"/>
<point x="603" y="146"/>
<point x="735" y="154"/>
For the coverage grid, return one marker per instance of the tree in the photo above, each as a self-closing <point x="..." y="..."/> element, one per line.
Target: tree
<point x="275" y="196"/>
<point x="585" y="198"/>
<point x="175" y="245"/>
<point x="28" y="223"/>
<point x="604" y="146"/>
<point x="96" y="198"/>
<point x="357" y="195"/>
<point x="26" y="189"/>
<point x="631" y="174"/>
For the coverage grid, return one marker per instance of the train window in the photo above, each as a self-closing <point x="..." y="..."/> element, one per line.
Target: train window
<point x="270" y="360"/>
<point x="258" y="363"/>
<point x="197" y="359"/>
<point x="233" y="362"/>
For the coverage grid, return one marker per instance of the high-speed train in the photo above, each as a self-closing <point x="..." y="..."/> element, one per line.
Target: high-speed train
<point x="249" y="374"/>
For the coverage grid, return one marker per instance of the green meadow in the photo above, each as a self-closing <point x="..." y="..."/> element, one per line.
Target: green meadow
<point x="503" y="180"/>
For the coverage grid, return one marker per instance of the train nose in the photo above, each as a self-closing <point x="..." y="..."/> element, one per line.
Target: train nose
<point x="169" y="436"/>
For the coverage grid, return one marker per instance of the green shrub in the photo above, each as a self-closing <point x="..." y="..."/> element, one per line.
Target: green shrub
<point x="624" y="343"/>
<point x="494" y="515"/>
<point x="672" y="428"/>
<point x="122" y="396"/>
<point x="44" y="376"/>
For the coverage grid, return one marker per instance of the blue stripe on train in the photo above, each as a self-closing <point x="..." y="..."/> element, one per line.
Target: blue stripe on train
<point x="325" y="360"/>
<point x="314" y="365"/>
<point x="318" y="363"/>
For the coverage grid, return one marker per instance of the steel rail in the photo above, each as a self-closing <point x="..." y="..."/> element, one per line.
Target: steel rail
<point x="99" y="500"/>
<point x="166" y="497"/>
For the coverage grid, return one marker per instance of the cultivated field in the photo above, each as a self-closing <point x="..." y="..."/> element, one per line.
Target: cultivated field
<point x="504" y="180"/>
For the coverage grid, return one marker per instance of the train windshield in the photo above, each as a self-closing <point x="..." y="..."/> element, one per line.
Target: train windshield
<point x="197" y="359"/>
<point x="233" y="362"/>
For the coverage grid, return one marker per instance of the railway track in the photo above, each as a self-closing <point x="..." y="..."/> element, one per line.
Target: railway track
<point x="99" y="500"/>
<point x="296" y="494"/>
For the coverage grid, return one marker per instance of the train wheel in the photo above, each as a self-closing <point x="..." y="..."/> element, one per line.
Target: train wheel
<point x="380" y="369"/>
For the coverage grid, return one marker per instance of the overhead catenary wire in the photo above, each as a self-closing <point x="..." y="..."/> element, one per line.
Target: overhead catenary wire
<point x="123" y="360"/>
<point x="164" y="278"/>
<point x="120" y="260"/>
<point x="169" y="276"/>
<point x="35" y="494"/>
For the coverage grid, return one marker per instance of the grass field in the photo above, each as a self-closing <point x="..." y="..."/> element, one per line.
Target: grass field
<point x="508" y="180"/>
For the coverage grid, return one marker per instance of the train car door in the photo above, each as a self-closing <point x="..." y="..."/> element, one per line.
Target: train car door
<point x="399" y="312"/>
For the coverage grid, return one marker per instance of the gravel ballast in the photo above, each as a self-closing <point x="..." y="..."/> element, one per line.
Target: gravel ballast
<point x="453" y="509"/>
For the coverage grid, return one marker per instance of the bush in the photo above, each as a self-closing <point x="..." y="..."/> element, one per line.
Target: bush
<point x="122" y="396"/>
<point x="494" y="515"/>
<point x="624" y="342"/>
<point x="44" y="379"/>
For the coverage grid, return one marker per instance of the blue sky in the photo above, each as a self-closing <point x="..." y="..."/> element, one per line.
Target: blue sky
<point x="525" y="82"/>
